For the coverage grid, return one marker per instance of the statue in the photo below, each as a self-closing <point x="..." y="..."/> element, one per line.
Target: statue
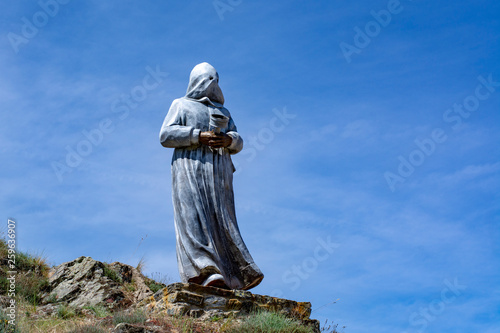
<point x="210" y="249"/>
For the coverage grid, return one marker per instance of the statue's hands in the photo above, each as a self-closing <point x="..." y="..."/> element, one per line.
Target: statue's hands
<point x="211" y="139"/>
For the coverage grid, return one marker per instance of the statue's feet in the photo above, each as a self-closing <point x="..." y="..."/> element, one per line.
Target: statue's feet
<point x="254" y="283"/>
<point x="215" y="280"/>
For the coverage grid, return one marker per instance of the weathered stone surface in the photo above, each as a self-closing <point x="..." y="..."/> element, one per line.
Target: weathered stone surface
<point x="48" y="310"/>
<point x="129" y="328"/>
<point x="205" y="302"/>
<point x="132" y="276"/>
<point x="87" y="282"/>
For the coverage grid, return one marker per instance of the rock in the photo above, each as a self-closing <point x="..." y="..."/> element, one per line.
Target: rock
<point x="132" y="276"/>
<point x="46" y="311"/>
<point x="197" y="301"/>
<point x="87" y="282"/>
<point x="129" y="328"/>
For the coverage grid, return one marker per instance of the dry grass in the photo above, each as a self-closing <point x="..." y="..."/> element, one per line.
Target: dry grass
<point x="80" y="323"/>
<point x="31" y="276"/>
<point x="141" y="265"/>
<point x="32" y="279"/>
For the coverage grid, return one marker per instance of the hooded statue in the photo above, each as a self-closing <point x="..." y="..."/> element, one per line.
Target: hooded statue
<point x="210" y="250"/>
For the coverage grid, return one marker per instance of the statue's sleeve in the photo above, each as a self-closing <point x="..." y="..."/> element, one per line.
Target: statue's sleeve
<point x="237" y="143"/>
<point x="174" y="132"/>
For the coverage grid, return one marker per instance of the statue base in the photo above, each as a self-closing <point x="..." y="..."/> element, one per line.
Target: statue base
<point x="188" y="299"/>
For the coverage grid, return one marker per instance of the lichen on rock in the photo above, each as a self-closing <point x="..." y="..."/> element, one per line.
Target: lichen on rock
<point x="88" y="282"/>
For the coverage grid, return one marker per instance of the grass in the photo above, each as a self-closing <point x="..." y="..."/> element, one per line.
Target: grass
<point x="331" y="328"/>
<point x="111" y="274"/>
<point x="98" y="310"/>
<point x="65" y="312"/>
<point x="130" y="286"/>
<point x="157" y="281"/>
<point x="215" y="318"/>
<point x="130" y="317"/>
<point x="67" y="320"/>
<point x="269" y="322"/>
<point x="190" y="325"/>
<point x="154" y="286"/>
<point x="32" y="282"/>
<point x="31" y="276"/>
<point x="89" y="329"/>
<point x="30" y="286"/>
<point x="52" y="298"/>
<point x="4" y="323"/>
<point x="141" y="265"/>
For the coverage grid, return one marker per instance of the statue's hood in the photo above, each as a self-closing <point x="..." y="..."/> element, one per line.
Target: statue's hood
<point x="204" y="82"/>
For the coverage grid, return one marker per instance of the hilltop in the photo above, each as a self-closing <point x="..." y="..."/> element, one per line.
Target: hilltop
<point x="85" y="295"/>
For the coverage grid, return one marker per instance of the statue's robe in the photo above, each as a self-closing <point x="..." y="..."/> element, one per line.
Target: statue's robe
<point x="208" y="237"/>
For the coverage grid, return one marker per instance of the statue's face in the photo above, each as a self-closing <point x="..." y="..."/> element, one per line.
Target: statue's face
<point x="204" y="82"/>
<point x="213" y="91"/>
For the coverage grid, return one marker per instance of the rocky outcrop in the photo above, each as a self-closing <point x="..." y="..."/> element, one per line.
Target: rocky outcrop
<point x="87" y="282"/>
<point x="207" y="302"/>
<point x="133" y="280"/>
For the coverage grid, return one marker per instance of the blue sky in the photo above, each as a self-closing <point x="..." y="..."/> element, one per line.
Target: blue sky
<point x="371" y="168"/>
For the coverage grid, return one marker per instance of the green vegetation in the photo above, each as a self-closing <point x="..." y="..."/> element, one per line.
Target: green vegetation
<point x="111" y="274"/>
<point x="65" y="312"/>
<point x="4" y="323"/>
<point x="268" y="322"/>
<point x="31" y="276"/>
<point x="130" y="317"/>
<point x="89" y="329"/>
<point x="154" y="286"/>
<point x="98" y="310"/>
<point x="52" y="298"/>
<point x="32" y="282"/>
<point x="130" y="286"/>
<point x="214" y="319"/>
<point x="157" y="281"/>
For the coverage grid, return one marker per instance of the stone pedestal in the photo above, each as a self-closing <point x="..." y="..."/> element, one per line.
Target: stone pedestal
<point x="206" y="302"/>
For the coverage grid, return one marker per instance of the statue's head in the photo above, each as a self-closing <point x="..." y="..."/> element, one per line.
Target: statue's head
<point x="204" y="82"/>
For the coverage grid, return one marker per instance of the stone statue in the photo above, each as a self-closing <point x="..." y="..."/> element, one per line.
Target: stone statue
<point x="210" y="249"/>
